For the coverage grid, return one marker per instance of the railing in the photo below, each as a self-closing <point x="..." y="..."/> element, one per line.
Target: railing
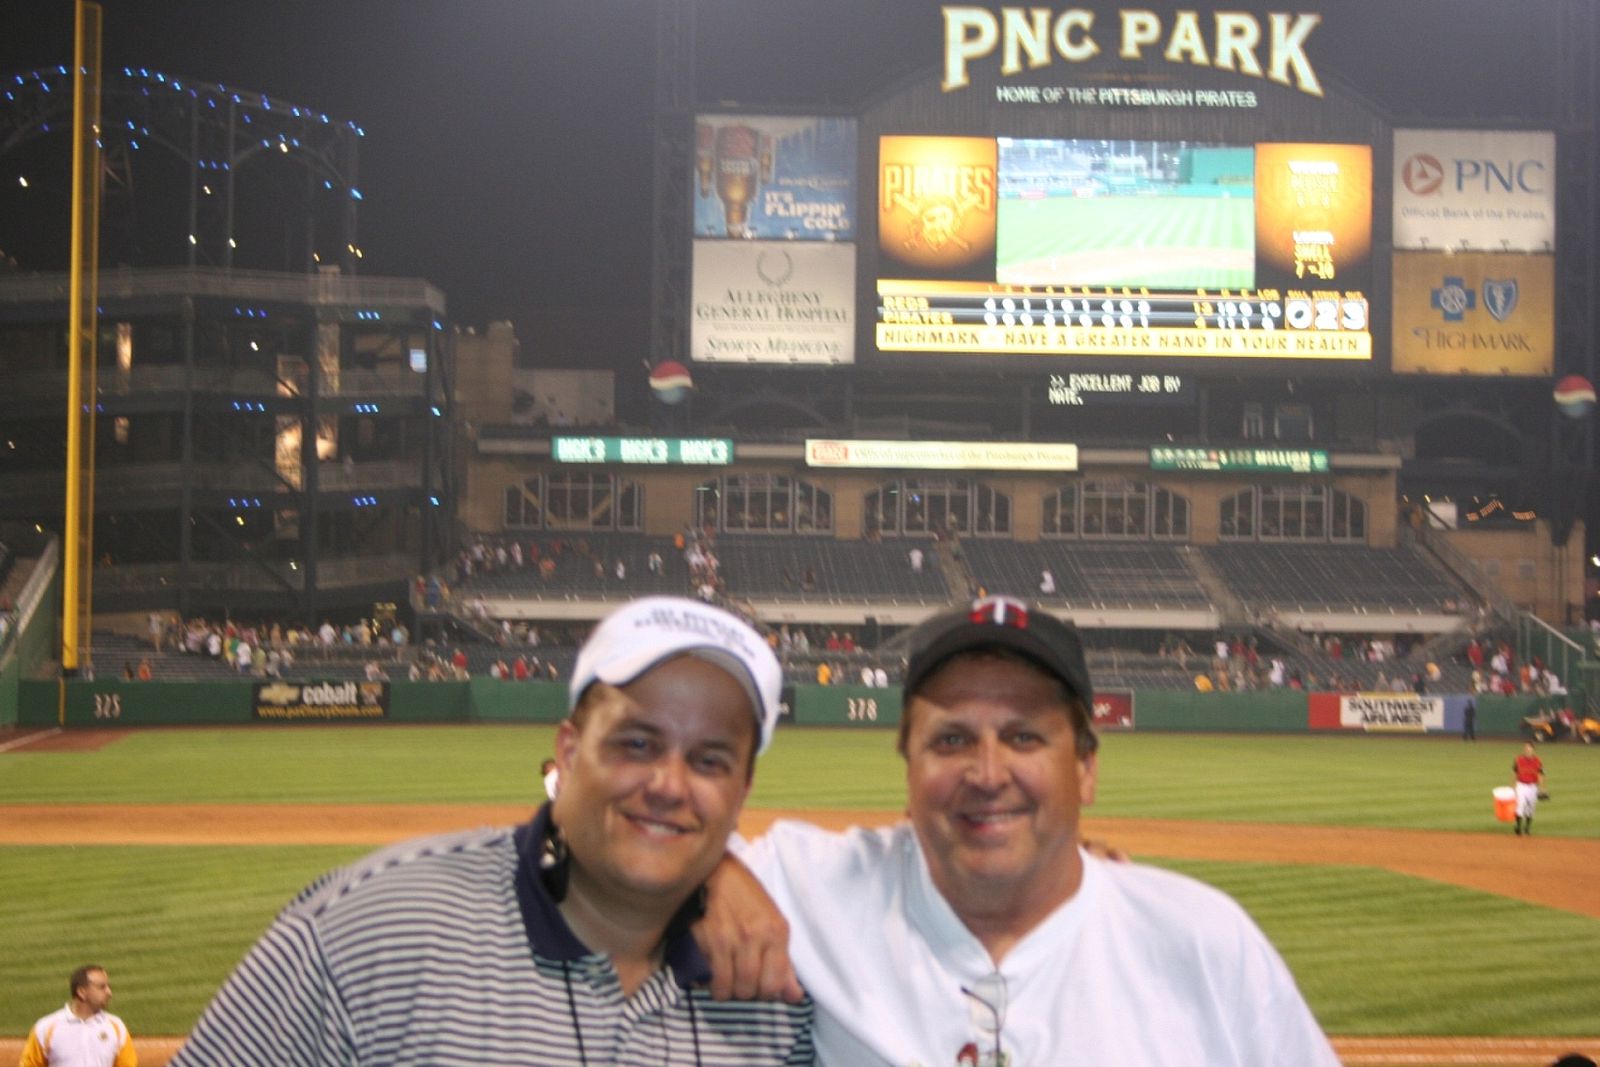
<point x="248" y="577"/>
<point x="1560" y="653"/>
<point x="1465" y="568"/>
<point x="240" y="284"/>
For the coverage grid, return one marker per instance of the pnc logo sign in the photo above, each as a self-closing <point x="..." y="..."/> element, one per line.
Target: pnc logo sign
<point x="1422" y="174"/>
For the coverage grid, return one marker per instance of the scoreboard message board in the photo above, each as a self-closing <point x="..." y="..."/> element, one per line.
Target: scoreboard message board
<point x="1124" y="248"/>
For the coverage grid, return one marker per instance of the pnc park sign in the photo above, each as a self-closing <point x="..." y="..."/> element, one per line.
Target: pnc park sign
<point x="1032" y="38"/>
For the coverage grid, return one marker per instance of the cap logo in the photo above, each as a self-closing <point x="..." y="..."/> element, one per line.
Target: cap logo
<point x="724" y="634"/>
<point x="1000" y="611"/>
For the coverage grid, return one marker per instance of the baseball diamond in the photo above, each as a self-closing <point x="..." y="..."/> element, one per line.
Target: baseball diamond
<point x="1546" y="876"/>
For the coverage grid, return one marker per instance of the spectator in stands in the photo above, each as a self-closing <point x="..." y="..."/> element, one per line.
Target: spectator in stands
<point x="866" y="674"/>
<point x="128" y="673"/>
<point x="916" y="559"/>
<point x="880" y="677"/>
<point x="157" y="625"/>
<point x="824" y="673"/>
<point x="653" y="563"/>
<point x="519" y="669"/>
<point x="1047" y="582"/>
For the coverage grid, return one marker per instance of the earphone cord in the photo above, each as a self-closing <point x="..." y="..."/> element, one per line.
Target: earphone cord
<point x="572" y="1007"/>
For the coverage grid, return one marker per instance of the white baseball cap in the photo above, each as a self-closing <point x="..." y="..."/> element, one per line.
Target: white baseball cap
<point x="646" y="632"/>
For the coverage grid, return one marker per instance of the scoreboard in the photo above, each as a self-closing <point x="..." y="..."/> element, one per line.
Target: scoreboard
<point x="980" y="317"/>
<point x="1102" y="248"/>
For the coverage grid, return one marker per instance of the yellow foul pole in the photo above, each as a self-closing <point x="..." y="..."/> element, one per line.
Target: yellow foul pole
<point x="82" y="323"/>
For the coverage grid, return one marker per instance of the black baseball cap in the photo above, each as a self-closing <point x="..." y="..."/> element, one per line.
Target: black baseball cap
<point x="1000" y="622"/>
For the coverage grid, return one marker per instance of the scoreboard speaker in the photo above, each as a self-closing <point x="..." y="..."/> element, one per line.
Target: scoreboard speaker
<point x="871" y="632"/>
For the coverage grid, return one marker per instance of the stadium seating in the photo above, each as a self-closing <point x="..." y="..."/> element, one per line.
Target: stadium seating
<point x="574" y="575"/>
<point x="776" y="568"/>
<point x="1087" y="574"/>
<point x="1334" y="578"/>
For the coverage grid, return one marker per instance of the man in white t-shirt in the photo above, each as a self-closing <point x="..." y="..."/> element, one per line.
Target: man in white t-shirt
<point x="980" y="931"/>
<point x="82" y="1034"/>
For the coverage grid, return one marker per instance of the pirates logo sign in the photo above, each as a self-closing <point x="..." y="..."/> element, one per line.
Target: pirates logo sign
<point x="936" y="205"/>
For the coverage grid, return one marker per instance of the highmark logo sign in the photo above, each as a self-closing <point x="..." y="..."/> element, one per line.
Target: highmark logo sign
<point x="1031" y="38"/>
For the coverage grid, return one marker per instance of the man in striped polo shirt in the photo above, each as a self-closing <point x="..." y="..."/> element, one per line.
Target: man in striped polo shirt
<point x="562" y="941"/>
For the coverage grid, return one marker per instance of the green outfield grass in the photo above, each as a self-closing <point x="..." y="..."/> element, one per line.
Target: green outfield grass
<point x="1376" y="952"/>
<point x="168" y="924"/>
<point x="1421" y="783"/>
<point x="1160" y="242"/>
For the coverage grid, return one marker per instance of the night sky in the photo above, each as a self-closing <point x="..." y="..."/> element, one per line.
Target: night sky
<point x="507" y="155"/>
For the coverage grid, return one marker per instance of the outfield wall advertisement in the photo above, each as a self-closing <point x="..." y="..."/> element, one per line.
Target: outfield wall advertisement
<point x="782" y="302"/>
<point x="1475" y="189"/>
<point x="279" y="701"/>
<point x="1113" y="709"/>
<point x="1378" y="712"/>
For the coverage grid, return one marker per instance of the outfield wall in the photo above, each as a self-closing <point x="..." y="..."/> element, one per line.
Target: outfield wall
<point x="121" y="704"/>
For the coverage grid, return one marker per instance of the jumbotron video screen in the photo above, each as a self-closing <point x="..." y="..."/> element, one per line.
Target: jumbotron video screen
<point x="1124" y="248"/>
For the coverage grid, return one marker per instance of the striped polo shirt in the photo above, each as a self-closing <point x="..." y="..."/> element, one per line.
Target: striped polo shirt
<point x="450" y="950"/>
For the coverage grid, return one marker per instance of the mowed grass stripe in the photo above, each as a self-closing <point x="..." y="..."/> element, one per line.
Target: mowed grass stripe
<point x="1431" y="784"/>
<point x="169" y="923"/>
<point x="1375" y="952"/>
<point x="1397" y="783"/>
<point x="1382" y="953"/>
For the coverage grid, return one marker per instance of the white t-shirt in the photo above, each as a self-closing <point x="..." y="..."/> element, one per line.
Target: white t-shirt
<point x="1140" y="966"/>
